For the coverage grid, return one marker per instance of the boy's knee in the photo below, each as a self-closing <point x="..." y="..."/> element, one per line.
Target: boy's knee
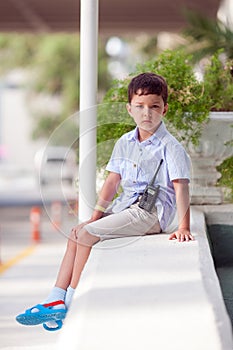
<point x="86" y="239"/>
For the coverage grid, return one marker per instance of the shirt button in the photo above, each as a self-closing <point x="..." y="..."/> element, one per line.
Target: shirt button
<point x="135" y="165"/>
<point x="134" y="182"/>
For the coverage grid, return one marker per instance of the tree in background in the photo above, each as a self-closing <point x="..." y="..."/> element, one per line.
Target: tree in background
<point x="53" y="64"/>
<point x="206" y="36"/>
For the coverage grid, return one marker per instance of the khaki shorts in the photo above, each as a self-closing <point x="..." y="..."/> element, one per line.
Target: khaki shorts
<point x="132" y="221"/>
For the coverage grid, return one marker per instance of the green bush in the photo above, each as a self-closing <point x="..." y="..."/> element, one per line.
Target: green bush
<point x="188" y="103"/>
<point x="226" y="170"/>
<point x="218" y="81"/>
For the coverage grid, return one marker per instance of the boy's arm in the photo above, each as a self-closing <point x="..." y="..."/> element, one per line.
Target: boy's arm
<point x="181" y="187"/>
<point x="106" y="195"/>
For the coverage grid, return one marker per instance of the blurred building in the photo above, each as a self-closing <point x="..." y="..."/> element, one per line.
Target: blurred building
<point x="16" y="124"/>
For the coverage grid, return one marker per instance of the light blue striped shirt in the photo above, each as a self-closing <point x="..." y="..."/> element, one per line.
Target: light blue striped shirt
<point x="136" y="162"/>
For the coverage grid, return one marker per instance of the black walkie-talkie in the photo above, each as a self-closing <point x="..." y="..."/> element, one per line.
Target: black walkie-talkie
<point x="148" y="198"/>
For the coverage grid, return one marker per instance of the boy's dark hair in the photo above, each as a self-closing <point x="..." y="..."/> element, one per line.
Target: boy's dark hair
<point x="148" y="83"/>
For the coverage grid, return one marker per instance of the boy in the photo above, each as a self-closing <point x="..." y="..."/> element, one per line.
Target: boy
<point x="135" y="158"/>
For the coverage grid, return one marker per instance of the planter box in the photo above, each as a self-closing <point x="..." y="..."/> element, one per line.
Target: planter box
<point x="211" y="152"/>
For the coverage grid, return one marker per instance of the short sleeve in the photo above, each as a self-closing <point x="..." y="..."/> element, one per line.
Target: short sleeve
<point x="178" y="163"/>
<point x="115" y="159"/>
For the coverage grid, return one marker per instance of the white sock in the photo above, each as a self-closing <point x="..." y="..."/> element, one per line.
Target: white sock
<point x="55" y="295"/>
<point x="69" y="296"/>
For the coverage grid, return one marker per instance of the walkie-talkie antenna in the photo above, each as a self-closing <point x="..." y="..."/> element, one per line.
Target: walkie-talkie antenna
<point x="154" y="177"/>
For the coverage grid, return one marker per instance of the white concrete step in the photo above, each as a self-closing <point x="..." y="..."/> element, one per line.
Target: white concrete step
<point x="151" y="293"/>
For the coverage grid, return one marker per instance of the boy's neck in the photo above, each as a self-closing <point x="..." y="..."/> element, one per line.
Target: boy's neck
<point x="144" y="135"/>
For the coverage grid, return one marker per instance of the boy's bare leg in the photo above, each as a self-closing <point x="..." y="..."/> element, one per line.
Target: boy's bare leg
<point x="81" y="258"/>
<point x="84" y="245"/>
<point x="66" y="268"/>
<point x="74" y="260"/>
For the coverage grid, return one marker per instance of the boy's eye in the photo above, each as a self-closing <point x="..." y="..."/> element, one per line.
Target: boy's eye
<point x="141" y="107"/>
<point x="152" y="107"/>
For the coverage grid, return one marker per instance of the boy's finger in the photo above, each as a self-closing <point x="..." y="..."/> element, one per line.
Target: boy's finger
<point x="191" y="237"/>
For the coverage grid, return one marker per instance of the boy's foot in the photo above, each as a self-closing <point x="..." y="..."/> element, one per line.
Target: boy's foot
<point x="43" y="313"/>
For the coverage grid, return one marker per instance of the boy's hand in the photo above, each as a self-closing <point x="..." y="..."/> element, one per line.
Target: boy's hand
<point x="182" y="235"/>
<point x="75" y="230"/>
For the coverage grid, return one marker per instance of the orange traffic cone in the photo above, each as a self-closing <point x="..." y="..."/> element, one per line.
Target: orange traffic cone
<point x="35" y="224"/>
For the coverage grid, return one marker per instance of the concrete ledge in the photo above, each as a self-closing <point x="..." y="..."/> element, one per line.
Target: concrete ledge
<point x="151" y="293"/>
<point x="217" y="214"/>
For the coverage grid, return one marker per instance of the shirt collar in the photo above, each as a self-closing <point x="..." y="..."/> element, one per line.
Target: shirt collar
<point x="159" y="134"/>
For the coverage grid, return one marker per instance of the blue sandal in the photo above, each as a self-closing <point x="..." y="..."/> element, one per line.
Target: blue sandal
<point x="44" y="314"/>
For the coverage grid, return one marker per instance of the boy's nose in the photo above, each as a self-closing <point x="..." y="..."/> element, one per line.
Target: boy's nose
<point x="147" y="111"/>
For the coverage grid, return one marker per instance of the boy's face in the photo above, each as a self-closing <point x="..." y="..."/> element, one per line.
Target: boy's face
<point x="147" y="112"/>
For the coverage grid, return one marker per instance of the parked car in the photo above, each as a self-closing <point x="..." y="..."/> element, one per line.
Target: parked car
<point x="56" y="164"/>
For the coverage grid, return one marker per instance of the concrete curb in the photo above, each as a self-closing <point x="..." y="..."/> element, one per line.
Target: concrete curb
<point x="149" y="292"/>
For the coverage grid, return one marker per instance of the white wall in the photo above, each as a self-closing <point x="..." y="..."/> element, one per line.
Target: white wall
<point x="16" y="128"/>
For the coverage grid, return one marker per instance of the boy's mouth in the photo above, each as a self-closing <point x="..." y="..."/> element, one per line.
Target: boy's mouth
<point x="146" y="121"/>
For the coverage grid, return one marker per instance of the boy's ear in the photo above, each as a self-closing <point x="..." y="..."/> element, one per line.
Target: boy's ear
<point x="165" y="109"/>
<point x="128" y="107"/>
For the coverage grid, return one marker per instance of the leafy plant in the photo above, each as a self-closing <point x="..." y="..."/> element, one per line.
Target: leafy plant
<point x="226" y="170"/>
<point x="211" y="37"/>
<point x="206" y="36"/>
<point x="188" y="103"/>
<point x="218" y="82"/>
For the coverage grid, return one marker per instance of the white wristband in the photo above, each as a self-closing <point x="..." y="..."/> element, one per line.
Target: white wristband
<point x="99" y="208"/>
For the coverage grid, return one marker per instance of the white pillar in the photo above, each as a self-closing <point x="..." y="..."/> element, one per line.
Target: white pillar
<point x="88" y="94"/>
<point x="225" y="13"/>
